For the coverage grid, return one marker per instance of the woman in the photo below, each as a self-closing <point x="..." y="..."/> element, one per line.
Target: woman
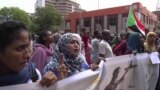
<point x="115" y="41"/>
<point x="150" y="45"/>
<point x="121" y="48"/>
<point x="86" y="41"/>
<point x="67" y="59"/>
<point x="43" y="50"/>
<point x="14" y="55"/>
<point x="81" y="52"/>
<point x="135" y="43"/>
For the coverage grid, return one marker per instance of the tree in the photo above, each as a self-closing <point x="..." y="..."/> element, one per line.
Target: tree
<point x="46" y="18"/>
<point x="15" y="13"/>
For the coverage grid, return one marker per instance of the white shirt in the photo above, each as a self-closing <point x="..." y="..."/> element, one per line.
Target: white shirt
<point x="105" y="49"/>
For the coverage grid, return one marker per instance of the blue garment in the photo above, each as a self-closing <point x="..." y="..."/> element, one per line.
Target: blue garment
<point x="18" y="77"/>
<point x="134" y="42"/>
<point x="94" y="51"/>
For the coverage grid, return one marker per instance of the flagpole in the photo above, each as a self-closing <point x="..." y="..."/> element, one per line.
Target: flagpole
<point x="80" y="21"/>
<point x="98" y="11"/>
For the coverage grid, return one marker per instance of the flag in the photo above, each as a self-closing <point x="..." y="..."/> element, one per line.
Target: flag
<point x="133" y="23"/>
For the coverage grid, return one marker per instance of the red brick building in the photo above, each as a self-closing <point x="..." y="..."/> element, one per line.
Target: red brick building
<point x="113" y="19"/>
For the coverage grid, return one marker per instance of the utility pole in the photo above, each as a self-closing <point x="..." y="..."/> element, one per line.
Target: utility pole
<point x="98" y="25"/>
<point x="80" y="21"/>
<point x="158" y="17"/>
<point x="158" y="6"/>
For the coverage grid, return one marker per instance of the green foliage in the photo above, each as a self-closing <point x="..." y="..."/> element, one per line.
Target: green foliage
<point x="46" y="18"/>
<point x="15" y="13"/>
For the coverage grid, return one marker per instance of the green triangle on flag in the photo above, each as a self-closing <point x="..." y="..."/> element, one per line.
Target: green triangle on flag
<point x="133" y="23"/>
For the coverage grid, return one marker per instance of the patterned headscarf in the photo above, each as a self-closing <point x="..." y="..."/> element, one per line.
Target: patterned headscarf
<point x="73" y="63"/>
<point x="147" y="46"/>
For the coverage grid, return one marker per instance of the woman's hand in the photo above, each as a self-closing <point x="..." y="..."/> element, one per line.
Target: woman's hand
<point x="48" y="79"/>
<point x="62" y="69"/>
<point x="94" y="66"/>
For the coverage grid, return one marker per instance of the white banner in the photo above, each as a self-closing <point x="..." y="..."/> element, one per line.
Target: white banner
<point x="118" y="73"/>
<point x="77" y="82"/>
<point x="129" y="73"/>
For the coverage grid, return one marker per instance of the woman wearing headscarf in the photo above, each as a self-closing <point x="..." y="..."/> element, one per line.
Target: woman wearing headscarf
<point x="135" y="43"/>
<point x="149" y="45"/>
<point x="68" y="54"/>
<point x="82" y="52"/>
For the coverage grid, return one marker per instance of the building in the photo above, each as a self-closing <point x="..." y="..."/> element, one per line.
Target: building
<point x="158" y="20"/>
<point x="40" y="3"/>
<point x="64" y="6"/>
<point x="113" y="19"/>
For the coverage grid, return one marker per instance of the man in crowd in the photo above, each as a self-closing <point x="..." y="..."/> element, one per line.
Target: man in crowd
<point x="105" y="50"/>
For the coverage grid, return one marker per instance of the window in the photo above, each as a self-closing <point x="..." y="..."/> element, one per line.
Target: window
<point x="112" y="21"/>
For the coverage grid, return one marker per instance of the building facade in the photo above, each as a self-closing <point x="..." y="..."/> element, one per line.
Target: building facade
<point x="64" y="6"/>
<point x="40" y="3"/>
<point x="158" y="20"/>
<point x="113" y="19"/>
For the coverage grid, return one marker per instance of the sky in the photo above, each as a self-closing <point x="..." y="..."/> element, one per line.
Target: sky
<point x="28" y="5"/>
<point x="93" y="4"/>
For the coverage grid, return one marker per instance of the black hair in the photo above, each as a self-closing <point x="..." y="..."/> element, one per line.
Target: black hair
<point x="122" y="34"/>
<point x="40" y="39"/>
<point x="96" y="33"/>
<point x="106" y="34"/>
<point x="9" y="31"/>
<point x="105" y="31"/>
<point x="32" y="36"/>
<point x="127" y="35"/>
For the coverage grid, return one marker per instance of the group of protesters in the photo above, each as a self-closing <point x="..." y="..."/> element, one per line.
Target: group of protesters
<point x="49" y="57"/>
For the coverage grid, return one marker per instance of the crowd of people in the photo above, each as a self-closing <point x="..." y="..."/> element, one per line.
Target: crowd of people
<point x="49" y="57"/>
